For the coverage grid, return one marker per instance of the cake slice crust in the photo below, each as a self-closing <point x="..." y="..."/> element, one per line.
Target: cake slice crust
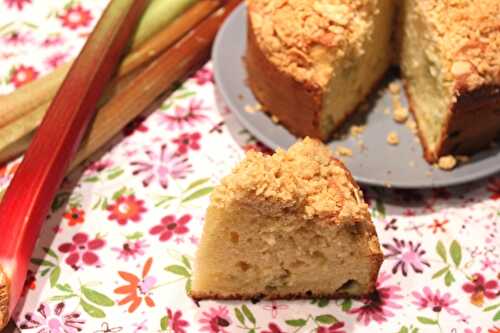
<point x="291" y="225"/>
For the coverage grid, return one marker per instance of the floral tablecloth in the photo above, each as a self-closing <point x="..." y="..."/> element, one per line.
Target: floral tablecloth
<point x="116" y="253"/>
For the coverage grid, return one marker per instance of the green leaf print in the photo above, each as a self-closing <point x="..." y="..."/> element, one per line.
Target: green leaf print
<point x="51" y="253"/>
<point x="448" y="279"/>
<point x="119" y="193"/>
<point x="115" y="174"/>
<point x="42" y="262"/>
<point x="252" y="330"/>
<point x="185" y="261"/>
<point x="239" y="316"/>
<point x="45" y="271"/>
<point x="54" y="276"/>
<point x="96" y="297"/>
<point x="178" y="270"/>
<point x="296" y="322"/>
<point x="491" y="307"/>
<point x="326" y="319"/>
<point x="346" y="304"/>
<point x="58" y="298"/>
<point x="196" y="183"/>
<point x="248" y="313"/>
<point x="164" y="323"/>
<point x="93" y="179"/>
<point x="427" y="321"/>
<point x="92" y="311"/>
<point x="379" y="206"/>
<point x="135" y="236"/>
<point x="64" y="288"/>
<point x="440" y="272"/>
<point x="456" y="253"/>
<point x="188" y="286"/>
<point x="441" y="251"/>
<point x="198" y="194"/>
<point x="185" y="95"/>
<point x="497" y="316"/>
<point x="403" y="329"/>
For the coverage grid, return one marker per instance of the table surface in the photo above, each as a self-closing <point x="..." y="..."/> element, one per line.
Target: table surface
<point x="117" y="249"/>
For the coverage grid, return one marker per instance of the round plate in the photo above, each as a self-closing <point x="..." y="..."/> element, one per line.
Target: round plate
<point x="378" y="163"/>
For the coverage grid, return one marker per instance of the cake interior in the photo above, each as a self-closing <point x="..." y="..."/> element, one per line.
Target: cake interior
<point x="430" y="96"/>
<point x="354" y="78"/>
<point x="244" y="254"/>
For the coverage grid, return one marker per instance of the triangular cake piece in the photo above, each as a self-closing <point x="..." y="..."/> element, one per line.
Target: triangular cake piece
<point x="290" y="225"/>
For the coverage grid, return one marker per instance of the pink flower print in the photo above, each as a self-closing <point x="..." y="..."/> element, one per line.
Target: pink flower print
<point x="215" y="320"/>
<point x="136" y="125"/>
<point x="204" y="75"/>
<point x="469" y="330"/>
<point x="98" y="166"/>
<point x="161" y="166"/>
<point x="175" y="321"/>
<point x="274" y="307"/>
<point x="75" y="17"/>
<point x="17" y="4"/>
<point x="187" y="141"/>
<point x="480" y="288"/>
<point x="435" y="301"/>
<point x="47" y="321"/>
<point x="169" y="226"/>
<point x="379" y="305"/>
<point x="126" y="208"/>
<point x="334" y="328"/>
<point x="406" y="255"/>
<point x="53" y="40"/>
<point x="273" y="328"/>
<point x="82" y="249"/>
<point x="131" y="249"/>
<point x="17" y="38"/>
<point x="184" y="116"/>
<point x="55" y="60"/>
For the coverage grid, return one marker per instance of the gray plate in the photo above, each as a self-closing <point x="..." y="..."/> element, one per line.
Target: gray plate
<point x="379" y="164"/>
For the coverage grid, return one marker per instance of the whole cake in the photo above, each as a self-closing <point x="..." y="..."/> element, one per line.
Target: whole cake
<point x="310" y="63"/>
<point x="291" y="225"/>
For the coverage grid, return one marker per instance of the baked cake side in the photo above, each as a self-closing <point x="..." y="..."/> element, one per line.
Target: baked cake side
<point x="291" y="225"/>
<point x="450" y="62"/>
<point x="311" y="63"/>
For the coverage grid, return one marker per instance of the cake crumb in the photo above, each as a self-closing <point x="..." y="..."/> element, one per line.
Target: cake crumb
<point x="275" y="119"/>
<point x="356" y="130"/>
<point x="387" y="184"/>
<point x="343" y="151"/>
<point x="240" y="97"/>
<point x="394" y="88"/>
<point x="428" y="173"/>
<point x="412" y="125"/>
<point x="447" y="162"/>
<point x="393" y="138"/>
<point x="400" y="115"/>
<point x="249" y="109"/>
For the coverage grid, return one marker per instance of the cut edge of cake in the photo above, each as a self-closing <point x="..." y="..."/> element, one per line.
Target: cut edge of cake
<point x="286" y="204"/>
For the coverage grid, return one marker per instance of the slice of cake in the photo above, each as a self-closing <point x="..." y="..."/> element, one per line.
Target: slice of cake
<point x="311" y="63"/>
<point x="450" y="62"/>
<point x="290" y="225"/>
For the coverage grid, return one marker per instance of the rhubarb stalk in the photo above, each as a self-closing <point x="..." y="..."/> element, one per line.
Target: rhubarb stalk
<point x="27" y="200"/>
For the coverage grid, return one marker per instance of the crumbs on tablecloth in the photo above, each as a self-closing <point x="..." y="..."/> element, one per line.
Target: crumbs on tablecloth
<point x="393" y="138"/>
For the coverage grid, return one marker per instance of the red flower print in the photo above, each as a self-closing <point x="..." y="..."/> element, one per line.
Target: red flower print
<point x="273" y="328"/>
<point x="126" y="208"/>
<point x="22" y="74"/>
<point x="378" y="306"/>
<point x="184" y="116"/>
<point x="170" y="226"/>
<point x="175" y="321"/>
<point x="438" y="226"/>
<point x="52" y="319"/>
<point x="494" y="330"/>
<point x="215" y="320"/>
<point x="406" y="255"/>
<point x="480" y="288"/>
<point x="161" y="166"/>
<point x="82" y="249"/>
<point x="29" y="283"/>
<point x="334" y="328"/>
<point x="435" y="301"/>
<point x="19" y="4"/>
<point x="274" y="307"/>
<point x="75" y="17"/>
<point x="136" y="125"/>
<point x="137" y="289"/>
<point x="75" y="216"/>
<point x="203" y="76"/>
<point x="53" y="40"/>
<point x="477" y="330"/>
<point x="187" y="141"/>
<point x="494" y="188"/>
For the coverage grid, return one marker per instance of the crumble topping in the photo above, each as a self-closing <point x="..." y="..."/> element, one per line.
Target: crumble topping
<point x="304" y="37"/>
<point x="468" y="36"/>
<point x="393" y="138"/>
<point x="447" y="162"/>
<point x="304" y="180"/>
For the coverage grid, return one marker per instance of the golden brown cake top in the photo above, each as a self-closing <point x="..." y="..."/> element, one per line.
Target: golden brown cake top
<point x="306" y="37"/>
<point x="305" y="180"/>
<point x="468" y="36"/>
